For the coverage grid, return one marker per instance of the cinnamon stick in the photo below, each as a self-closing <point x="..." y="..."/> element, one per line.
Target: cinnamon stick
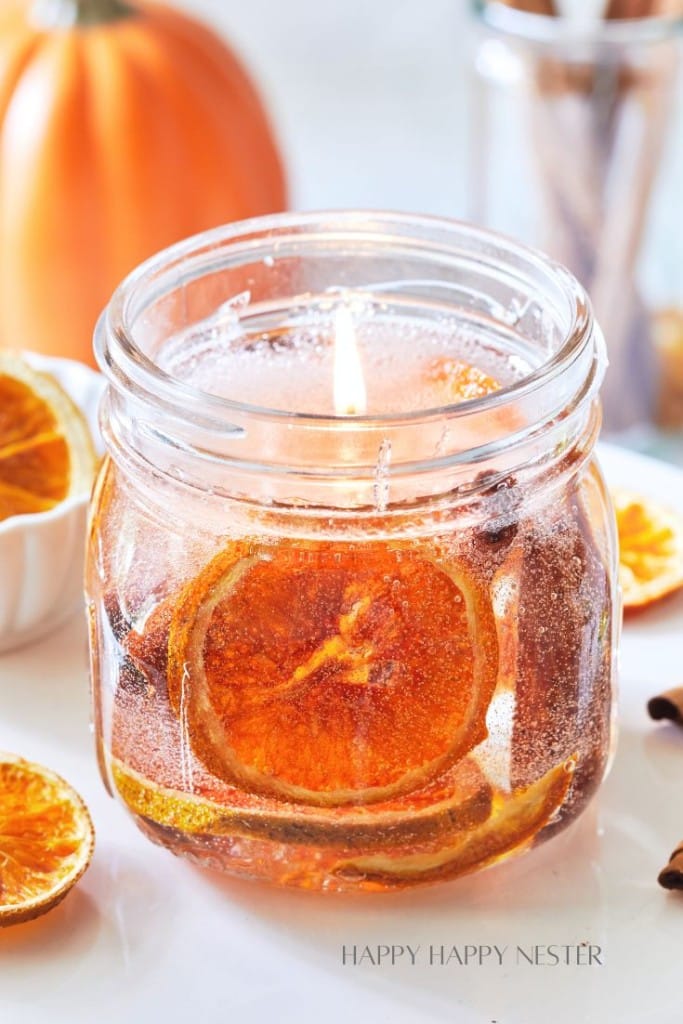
<point x="546" y="7"/>
<point x="561" y="649"/>
<point x="667" y="338"/>
<point x="618" y="10"/>
<point x="671" y="877"/>
<point x="667" y="705"/>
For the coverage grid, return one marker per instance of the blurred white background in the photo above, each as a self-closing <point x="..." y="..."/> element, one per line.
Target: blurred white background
<point x="368" y="96"/>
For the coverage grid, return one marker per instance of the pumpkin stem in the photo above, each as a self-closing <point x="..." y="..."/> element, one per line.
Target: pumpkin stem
<point x="55" y="14"/>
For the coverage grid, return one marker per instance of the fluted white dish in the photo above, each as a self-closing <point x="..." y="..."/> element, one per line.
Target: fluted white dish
<point x="41" y="554"/>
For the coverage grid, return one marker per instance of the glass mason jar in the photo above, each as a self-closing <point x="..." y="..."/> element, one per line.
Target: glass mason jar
<point x="577" y="149"/>
<point x="358" y="649"/>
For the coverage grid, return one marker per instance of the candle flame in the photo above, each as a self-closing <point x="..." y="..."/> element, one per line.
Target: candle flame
<point x="349" y="383"/>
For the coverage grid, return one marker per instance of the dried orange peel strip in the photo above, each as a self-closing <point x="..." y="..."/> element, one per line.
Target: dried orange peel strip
<point x="46" y="451"/>
<point x="460" y="801"/>
<point x="46" y="839"/>
<point x="650" y="549"/>
<point x="514" y="822"/>
<point x="328" y="674"/>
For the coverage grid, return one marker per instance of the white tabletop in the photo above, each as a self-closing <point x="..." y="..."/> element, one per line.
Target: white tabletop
<point x="368" y="98"/>
<point x="146" y="938"/>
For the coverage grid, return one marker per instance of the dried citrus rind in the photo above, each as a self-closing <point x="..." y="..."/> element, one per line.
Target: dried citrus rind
<point x="331" y="674"/>
<point x="460" y="800"/>
<point x="650" y="549"/>
<point x="46" y="839"/>
<point x="46" y="451"/>
<point x="515" y="820"/>
<point x="461" y="381"/>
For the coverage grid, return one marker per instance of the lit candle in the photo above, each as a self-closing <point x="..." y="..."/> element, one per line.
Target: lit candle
<point x="350" y="398"/>
<point x="314" y="664"/>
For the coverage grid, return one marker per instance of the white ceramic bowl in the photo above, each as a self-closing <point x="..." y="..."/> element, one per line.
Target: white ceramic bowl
<point x="41" y="555"/>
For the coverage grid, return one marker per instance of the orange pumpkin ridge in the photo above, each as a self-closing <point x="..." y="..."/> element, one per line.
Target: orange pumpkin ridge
<point x="118" y="137"/>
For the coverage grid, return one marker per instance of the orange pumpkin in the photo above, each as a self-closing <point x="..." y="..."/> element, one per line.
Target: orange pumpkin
<point x="123" y="127"/>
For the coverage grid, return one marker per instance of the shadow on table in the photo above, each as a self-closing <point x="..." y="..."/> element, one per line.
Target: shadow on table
<point x="588" y="885"/>
<point x="41" y="957"/>
<point x="656" y="620"/>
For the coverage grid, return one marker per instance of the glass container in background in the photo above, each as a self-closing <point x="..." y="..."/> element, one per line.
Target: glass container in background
<point x="577" y="149"/>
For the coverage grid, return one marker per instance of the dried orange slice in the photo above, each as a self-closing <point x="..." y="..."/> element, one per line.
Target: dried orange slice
<point x="459" y="800"/>
<point x="46" y="839"/>
<point x="516" y="819"/>
<point x="462" y="381"/>
<point x="46" y="452"/>
<point x="331" y="673"/>
<point x="650" y="549"/>
<point x="454" y="381"/>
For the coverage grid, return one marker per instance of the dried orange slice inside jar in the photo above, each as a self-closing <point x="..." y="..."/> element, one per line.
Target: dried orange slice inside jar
<point x="350" y="566"/>
<point x="331" y="674"/>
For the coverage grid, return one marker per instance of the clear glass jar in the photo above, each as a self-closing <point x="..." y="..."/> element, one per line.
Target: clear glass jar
<point x="577" y="149"/>
<point x="356" y="651"/>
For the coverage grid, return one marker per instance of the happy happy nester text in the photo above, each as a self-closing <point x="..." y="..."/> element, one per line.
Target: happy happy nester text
<point x="582" y="955"/>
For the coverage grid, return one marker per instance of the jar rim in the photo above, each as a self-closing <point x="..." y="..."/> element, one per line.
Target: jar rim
<point x="126" y="366"/>
<point x="544" y="29"/>
<point x="162" y="423"/>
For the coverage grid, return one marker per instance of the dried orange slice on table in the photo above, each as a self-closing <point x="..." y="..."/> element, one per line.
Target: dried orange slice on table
<point x="330" y="674"/>
<point x="46" y="452"/>
<point x="650" y="549"/>
<point x="46" y="839"/>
